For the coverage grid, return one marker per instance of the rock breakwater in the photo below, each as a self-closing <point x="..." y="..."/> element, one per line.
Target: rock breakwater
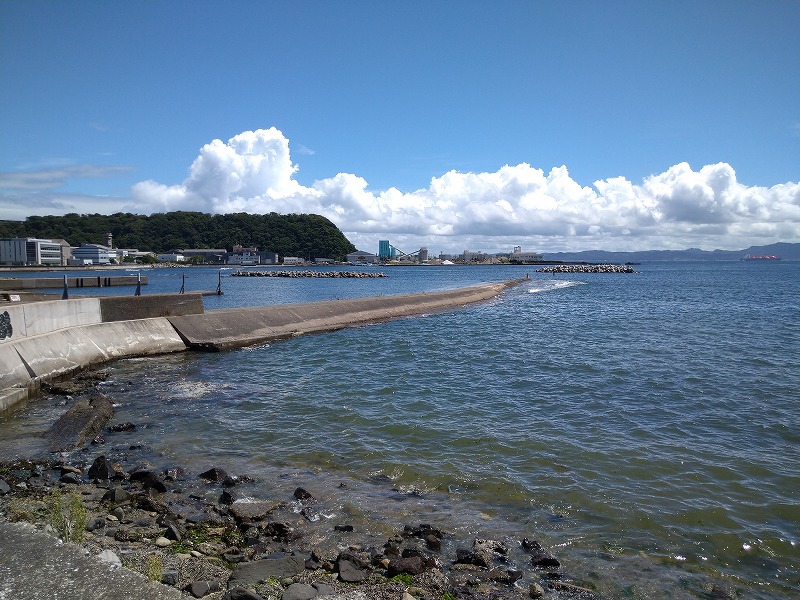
<point x="315" y="274"/>
<point x="587" y="269"/>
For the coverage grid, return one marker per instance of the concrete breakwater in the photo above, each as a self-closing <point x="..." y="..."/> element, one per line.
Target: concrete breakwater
<point x="321" y="274"/>
<point x="41" y="283"/>
<point x="45" y="341"/>
<point x="587" y="269"/>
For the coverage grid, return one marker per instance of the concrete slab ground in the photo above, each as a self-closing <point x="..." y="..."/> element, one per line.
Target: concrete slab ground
<point x="36" y="566"/>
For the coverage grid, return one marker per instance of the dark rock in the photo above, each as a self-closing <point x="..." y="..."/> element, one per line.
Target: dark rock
<point x="241" y="594"/>
<point x="230" y="481"/>
<point x="85" y="419"/>
<point x="123" y="534"/>
<point x="252" y="510"/>
<point x="64" y="469"/>
<point x="173" y="533"/>
<point x="300" y="591"/>
<point x="411" y="551"/>
<point x="198" y="589"/>
<point x="95" y="524"/>
<point x="120" y="427"/>
<point x="467" y="557"/>
<point x="413" y="565"/>
<point x="350" y="572"/>
<point x="301" y="494"/>
<point x="170" y="578"/>
<point x="343" y="528"/>
<point x="507" y="576"/>
<point x="540" y="557"/>
<point x="149" y="504"/>
<point x="70" y="478"/>
<point x="119" y="513"/>
<point x="101" y="468"/>
<point x="279" y="531"/>
<point x="423" y="531"/>
<point x="149" y="479"/>
<point x="433" y="543"/>
<point x="116" y="495"/>
<point x="227" y="498"/>
<point x="214" y="474"/>
<point x="260" y="570"/>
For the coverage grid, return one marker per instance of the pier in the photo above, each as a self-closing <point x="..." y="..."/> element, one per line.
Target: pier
<point x="43" y="283"/>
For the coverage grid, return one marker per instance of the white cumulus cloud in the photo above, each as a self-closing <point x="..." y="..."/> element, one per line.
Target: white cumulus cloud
<point x="518" y="204"/>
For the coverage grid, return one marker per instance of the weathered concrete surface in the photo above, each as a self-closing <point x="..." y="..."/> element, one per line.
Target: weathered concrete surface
<point x="125" y="308"/>
<point x="231" y="328"/>
<point x="59" y="351"/>
<point x="36" y="318"/>
<point x="36" y="566"/>
<point x="84" y="420"/>
<point x="35" y="283"/>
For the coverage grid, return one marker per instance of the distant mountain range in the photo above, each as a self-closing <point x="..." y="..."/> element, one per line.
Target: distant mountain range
<point x="782" y="250"/>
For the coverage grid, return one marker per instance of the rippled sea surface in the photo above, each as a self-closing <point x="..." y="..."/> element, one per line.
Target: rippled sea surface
<point x="644" y="427"/>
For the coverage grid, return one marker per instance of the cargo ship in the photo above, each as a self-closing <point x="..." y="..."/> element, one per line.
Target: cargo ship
<point x="760" y="257"/>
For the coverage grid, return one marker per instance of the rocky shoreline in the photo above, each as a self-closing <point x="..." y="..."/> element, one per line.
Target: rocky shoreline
<point x="161" y="523"/>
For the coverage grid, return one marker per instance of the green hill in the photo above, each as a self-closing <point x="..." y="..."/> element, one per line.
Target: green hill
<point x="307" y="236"/>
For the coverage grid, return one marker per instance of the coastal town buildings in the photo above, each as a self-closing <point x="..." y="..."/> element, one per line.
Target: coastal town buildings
<point x="520" y="257"/>
<point x="93" y="254"/>
<point x="359" y="257"/>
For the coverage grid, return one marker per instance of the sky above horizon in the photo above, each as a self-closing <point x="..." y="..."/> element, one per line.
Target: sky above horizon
<point x="555" y="126"/>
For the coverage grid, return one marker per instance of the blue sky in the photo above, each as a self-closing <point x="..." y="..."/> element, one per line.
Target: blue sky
<point x="551" y="125"/>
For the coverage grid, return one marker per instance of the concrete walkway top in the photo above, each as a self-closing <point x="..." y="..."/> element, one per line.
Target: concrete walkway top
<point x="231" y="328"/>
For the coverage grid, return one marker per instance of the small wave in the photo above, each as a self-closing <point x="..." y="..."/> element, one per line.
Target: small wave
<point x="549" y="285"/>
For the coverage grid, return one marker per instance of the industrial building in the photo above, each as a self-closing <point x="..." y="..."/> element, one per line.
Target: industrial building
<point x="30" y="251"/>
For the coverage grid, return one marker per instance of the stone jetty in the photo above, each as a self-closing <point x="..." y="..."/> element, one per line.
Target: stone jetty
<point x="317" y="274"/>
<point x="587" y="269"/>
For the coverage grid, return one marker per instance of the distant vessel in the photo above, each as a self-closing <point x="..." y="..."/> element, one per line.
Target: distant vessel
<point x="760" y="257"/>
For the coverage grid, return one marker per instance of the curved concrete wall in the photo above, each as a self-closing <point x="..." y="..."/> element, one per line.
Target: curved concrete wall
<point x="71" y="335"/>
<point x="231" y="328"/>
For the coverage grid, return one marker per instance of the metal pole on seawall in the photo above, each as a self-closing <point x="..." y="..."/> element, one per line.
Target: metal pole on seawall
<point x="219" y="283"/>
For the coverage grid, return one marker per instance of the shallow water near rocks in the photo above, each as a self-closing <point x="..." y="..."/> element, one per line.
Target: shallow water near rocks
<point x="643" y="427"/>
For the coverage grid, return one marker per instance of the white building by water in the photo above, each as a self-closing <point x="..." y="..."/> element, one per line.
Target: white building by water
<point x="30" y="251"/>
<point x="518" y="256"/>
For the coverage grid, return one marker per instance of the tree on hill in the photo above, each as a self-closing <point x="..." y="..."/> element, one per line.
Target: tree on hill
<point x="309" y="236"/>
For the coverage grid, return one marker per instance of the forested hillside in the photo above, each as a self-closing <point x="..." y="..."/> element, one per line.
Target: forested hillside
<point x="307" y="236"/>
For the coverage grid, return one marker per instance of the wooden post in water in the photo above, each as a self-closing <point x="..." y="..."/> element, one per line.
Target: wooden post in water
<point x="219" y="283"/>
<point x="65" y="295"/>
<point x="183" y="283"/>
<point x="138" y="291"/>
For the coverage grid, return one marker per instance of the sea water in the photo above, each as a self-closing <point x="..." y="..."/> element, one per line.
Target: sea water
<point x="644" y="427"/>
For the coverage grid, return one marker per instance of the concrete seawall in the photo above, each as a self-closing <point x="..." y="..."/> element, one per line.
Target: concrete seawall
<point x="232" y="328"/>
<point x="55" y="339"/>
